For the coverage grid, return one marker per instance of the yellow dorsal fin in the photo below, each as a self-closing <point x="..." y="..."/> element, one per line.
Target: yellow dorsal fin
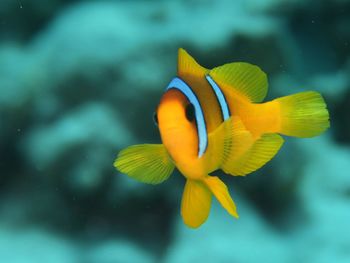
<point x="187" y="65"/>
<point x="196" y="203"/>
<point x="241" y="153"/>
<point x="147" y="163"/>
<point x="249" y="80"/>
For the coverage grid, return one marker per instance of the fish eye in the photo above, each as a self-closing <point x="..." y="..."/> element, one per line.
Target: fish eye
<point x="190" y="112"/>
<point x="155" y="118"/>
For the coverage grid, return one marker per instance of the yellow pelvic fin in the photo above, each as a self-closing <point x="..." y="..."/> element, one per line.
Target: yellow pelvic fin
<point x="241" y="153"/>
<point x="249" y="80"/>
<point x="303" y="114"/>
<point x="219" y="189"/>
<point x="196" y="203"/>
<point x="187" y="65"/>
<point x="147" y="163"/>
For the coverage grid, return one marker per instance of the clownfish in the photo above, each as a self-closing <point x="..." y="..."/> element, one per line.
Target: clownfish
<point x="211" y="119"/>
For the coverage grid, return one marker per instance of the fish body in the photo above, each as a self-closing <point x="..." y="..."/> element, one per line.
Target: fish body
<point x="211" y="119"/>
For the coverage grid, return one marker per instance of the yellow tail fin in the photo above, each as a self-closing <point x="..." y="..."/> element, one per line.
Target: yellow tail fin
<point x="303" y="114"/>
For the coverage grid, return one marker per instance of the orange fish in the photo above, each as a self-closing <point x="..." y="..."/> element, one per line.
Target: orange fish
<point x="211" y="119"/>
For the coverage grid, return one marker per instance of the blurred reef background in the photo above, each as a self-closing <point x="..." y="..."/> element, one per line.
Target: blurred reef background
<point x="79" y="80"/>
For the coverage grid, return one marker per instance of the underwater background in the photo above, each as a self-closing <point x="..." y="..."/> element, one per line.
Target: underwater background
<point x="80" y="80"/>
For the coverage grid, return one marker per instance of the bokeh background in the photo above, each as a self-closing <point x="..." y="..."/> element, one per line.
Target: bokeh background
<point x="79" y="80"/>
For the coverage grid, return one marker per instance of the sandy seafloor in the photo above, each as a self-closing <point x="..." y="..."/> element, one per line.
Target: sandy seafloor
<point x="79" y="80"/>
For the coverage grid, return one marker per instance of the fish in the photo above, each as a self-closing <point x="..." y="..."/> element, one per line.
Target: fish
<point x="215" y="119"/>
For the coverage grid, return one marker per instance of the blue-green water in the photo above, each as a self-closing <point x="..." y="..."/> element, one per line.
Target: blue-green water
<point x="79" y="80"/>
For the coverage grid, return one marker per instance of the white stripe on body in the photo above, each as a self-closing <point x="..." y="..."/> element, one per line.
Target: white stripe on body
<point x="180" y="85"/>
<point x="225" y="111"/>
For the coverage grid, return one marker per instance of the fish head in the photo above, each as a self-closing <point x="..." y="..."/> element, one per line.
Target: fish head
<point x="177" y="125"/>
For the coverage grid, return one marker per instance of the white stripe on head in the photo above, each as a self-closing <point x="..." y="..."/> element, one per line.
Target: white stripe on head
<point x="180" y="85"/>
<point x="225" y="111"/>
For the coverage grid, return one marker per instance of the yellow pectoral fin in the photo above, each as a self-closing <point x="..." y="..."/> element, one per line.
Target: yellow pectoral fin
<point x="147" y="163"/>
<point x="258" y="154"/>
<point x="219" y="189"/>
<point x="247" y="79"/>
<point x="228" y="142"/>
<point x="241" y="153"/>
<point x="196" y="203"/>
